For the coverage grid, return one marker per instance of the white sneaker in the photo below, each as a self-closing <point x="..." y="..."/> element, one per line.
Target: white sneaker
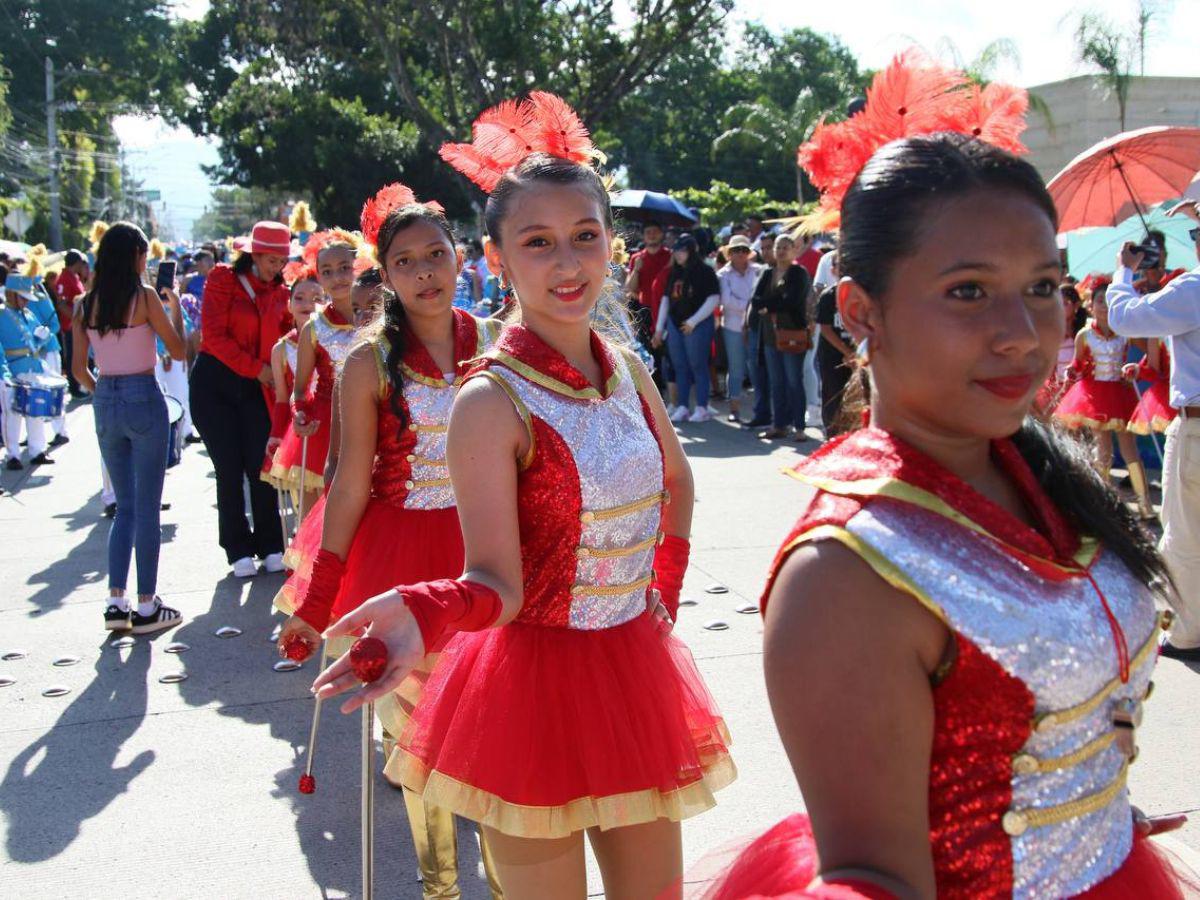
<point x="700" y="415"/>
<point x="245" y="567"/>
<point x="273" y="563"/>
<point x="679" y="414"/>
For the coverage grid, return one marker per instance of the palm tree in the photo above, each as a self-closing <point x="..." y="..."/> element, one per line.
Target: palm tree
<point x="1106" y="48"/>
<point x="762" y="128"/>
<point x="982" y="68"/>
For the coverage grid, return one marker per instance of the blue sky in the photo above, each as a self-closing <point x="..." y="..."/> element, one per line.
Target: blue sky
<point x="874" y="30"/>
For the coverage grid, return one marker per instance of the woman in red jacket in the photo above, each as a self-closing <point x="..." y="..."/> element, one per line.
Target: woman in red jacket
<point x="244" y="313"/>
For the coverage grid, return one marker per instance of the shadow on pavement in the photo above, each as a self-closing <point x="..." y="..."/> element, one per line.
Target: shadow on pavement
<point x="67" y="775"/>
<point x="84" y="564"/>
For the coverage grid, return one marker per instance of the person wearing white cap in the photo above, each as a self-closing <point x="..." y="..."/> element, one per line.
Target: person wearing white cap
<point x="241" y="318"/>
<point x="41" y="305"/>
<point x="22" y="338"/>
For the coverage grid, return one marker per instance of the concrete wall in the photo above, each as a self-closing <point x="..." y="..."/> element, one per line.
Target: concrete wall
<point x="1082" y="114"/>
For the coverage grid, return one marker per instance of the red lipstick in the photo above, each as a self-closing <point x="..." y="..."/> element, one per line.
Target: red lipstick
<point x="1011" y="387"/>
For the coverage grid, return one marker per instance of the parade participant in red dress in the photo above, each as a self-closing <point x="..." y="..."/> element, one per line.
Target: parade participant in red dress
<point x="564" y="704"/>
<point x="1103" y="399"/>
<point x="323" y="345"/>
<point x="1058" y="382"/>
<point x="1154" y="411"/>
<point x="389" y="515"/>
<point x="306" y="294"/>
<point x="963" y="603"/>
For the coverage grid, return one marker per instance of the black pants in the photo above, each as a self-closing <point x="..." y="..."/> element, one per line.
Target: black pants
<point x="835" y="375"/>
<point x="68" y="355"/>
<point x="231" y="416"/>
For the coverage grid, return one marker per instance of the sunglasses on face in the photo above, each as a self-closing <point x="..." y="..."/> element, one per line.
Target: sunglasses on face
<point x="740" y="250"/>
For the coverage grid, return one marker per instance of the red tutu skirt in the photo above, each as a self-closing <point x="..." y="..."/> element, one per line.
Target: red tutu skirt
<point x="782" y="862"/>
<point x="1154" y="412"/>
<point x="392" y="546"/>
<point x="1104" y="405"/>
<point x="542" y="732"/>
<point x="286" y="471"/>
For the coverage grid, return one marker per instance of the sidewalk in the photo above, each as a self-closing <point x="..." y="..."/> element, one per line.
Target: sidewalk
<point x="128" y="787"/>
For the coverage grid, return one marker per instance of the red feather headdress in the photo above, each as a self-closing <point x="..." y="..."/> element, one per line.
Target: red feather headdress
<point x="296" y="271"/>
<point x="914" y="95"/>
<point x="512" y="130"/>
<point x="389" y="197"/>
<point x="319" y="240"/>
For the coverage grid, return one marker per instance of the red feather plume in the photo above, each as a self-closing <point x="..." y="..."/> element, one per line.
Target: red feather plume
<point x="509" y="132"/>
<point x="296" y="271"/>
<point x="913" y="96"/>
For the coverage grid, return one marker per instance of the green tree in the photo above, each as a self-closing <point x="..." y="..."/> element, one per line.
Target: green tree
<point x="232" y="211"/>
<point x="764" y="132"/>
<point x="1108" y="49"/>
<point x="722" y="203"/>
<point x="349" y="94"/>
<point x="109" y="56"/>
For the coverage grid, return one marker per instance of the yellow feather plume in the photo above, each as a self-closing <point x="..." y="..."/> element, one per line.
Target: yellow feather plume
<point x="37" y="250"/>
<point x="158" y="250"/>
<point x="97" y="232"/>
<point x="34" y="267"/>
<point x="619" y="254"/>
<point x="301" y="219"/>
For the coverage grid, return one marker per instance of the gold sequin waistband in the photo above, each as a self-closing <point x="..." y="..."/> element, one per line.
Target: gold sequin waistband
<point x="431" y="483"/>
<point x="1018" y="821"/>
<point x="625" y="509"/>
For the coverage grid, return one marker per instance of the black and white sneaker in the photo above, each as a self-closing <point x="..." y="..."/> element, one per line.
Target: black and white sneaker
<point x="117" y="619"/>
<point x="59" y="440"/>
<point x="162" y="617"/>
<point x="14" y="464"/>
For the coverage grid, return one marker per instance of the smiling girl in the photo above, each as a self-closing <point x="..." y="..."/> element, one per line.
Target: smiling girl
<point x="564" y="705"/>
<point x="389" y="515"/>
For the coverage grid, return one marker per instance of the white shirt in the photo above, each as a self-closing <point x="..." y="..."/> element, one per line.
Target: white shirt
<point x="824" y="277"/>
<point x="736" y="290"/>
<point x="1172" y="313"/>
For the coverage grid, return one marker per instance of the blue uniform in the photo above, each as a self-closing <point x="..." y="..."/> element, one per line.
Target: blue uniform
<point x="21" y="349"/>
<point x="44" y="311"/>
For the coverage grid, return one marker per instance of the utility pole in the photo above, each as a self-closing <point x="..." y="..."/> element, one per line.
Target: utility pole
<point x="56" y="242"/>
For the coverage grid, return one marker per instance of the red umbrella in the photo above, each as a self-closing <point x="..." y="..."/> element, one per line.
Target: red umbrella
<point x="1125" y="175"/>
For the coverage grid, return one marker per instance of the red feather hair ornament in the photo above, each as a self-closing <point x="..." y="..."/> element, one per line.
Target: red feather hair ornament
<point x="512" y="130"/>
<point x="389" y="197"/>
<point x="297" y="270"/>
<point x="914" y="95"/>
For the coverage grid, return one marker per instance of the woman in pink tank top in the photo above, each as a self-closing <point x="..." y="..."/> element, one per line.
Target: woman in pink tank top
<point x="117" y="322"/>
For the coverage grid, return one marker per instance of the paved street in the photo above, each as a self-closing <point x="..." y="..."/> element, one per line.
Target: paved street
<point x="129" y="787"/>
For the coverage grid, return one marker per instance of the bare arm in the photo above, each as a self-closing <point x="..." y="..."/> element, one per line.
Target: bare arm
<point x="169" y="329"/>
<point x="306" y="361"/>
<point x="79" y="353"/>
<point x="848" y="661"/>
<point x="831" y="337"/>
<point x="335" y="433"/>
<point x="351" y="486"/>
<point x="278" y="371"/>
<point x="1079" y="360"/>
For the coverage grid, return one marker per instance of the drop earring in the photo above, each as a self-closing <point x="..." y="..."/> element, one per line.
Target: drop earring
<point x="863" y="352"/>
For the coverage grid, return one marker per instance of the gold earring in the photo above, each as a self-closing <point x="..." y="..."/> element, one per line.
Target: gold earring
<point x="863" y="352"/>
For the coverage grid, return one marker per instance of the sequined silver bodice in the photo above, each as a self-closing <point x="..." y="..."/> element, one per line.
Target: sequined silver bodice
<point x="429" y="412"/>
<point x="338" y="341"/>
<point x="619" y="467"/>
<point x="1108" y="354"/>
<point x="1070" y="821"/>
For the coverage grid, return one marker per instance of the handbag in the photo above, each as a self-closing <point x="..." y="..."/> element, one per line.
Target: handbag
<point x="791" y="340"/>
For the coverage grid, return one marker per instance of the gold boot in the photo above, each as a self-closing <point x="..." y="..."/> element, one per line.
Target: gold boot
<point x="489" y="867"/>
<point x="436" y="843"/>
<point x="1137" y="474"/>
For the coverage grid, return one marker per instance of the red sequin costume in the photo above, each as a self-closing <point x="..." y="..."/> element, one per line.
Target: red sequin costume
<point x="581" y="712"/>
<point x="409" y="530"/>
<point x="1154" y="411"/>
<point x="1027" y="774"/>
<point x="332" y="338"/>
<point x="1102" y="398"/>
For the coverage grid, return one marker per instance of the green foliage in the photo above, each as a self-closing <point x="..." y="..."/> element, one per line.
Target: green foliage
<point x="722" y="203"/>
<point x="1109" y="50"/>
<point x="233" y="211"/>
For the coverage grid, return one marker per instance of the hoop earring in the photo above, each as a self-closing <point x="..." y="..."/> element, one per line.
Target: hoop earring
<point x="863" y="352"/>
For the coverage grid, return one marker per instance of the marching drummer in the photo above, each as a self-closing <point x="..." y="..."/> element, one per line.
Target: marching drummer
<point x="22" y="338"/>
<point x="44" y="310"/>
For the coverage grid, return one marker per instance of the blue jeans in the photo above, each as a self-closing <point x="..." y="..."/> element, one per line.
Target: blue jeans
<point x="132" y="429"/>
<point x="689" y="359"/>
<point x="735" y="353"/>
<point x="759" y="377"/>
<point x="789" y="405"/>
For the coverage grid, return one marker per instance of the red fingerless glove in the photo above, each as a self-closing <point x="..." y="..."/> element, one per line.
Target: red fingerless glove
<point x="447" y="605"/>
<point x="670" y="562"/>
<point x="317" y="603"/>
<point x="1146" y="372"/>
<point x="281" y="417"/>
<point x="306" y="406"/>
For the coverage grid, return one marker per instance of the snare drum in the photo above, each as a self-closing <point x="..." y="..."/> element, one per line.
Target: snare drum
<point x="39" y="395"/>
<point x="175" y="437"/>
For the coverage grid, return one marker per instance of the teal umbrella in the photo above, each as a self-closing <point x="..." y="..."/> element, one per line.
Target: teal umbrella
<point x="1095" y="249"/>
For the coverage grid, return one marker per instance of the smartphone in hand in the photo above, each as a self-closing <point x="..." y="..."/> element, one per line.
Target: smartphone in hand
<point x="166" y="277"/>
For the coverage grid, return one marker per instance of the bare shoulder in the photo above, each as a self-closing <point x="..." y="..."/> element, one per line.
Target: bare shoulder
<point x="482" y="398"/>
<point x="829" y="600"/>
<point x="361" y="368"/>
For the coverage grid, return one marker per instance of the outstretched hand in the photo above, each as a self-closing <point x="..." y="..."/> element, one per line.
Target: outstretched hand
<point x="385" y="617"/>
